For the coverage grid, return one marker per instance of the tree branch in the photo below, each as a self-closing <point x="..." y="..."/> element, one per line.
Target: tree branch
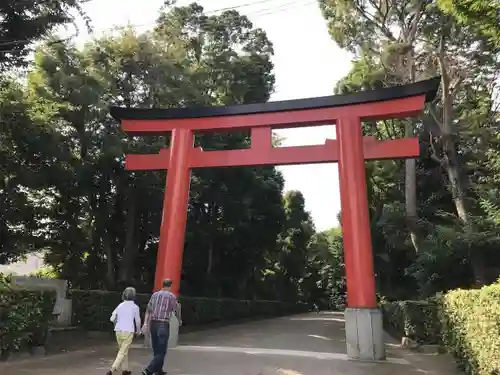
<point x="435" y="116"/>
<point x="382" y="28"/>
<point x="433" y="151"/>
<point x="414" y="24"/>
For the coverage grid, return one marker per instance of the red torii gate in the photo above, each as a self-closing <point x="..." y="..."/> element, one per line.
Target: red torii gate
<point x="350" y="150"/>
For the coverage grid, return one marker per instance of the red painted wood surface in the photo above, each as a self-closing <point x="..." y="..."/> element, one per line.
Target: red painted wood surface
<point x="398" y="108"/>
<point x="327" y="153"/>
<point x="173" y="223"/>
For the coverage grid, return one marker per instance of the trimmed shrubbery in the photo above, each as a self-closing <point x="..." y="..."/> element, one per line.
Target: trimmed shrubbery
<point x="416" y="320"/>
<point x="24" y="317"/>
<point x="92" y="309"/>
<point x="470" y="322"/>
<point x="466" y="322"/>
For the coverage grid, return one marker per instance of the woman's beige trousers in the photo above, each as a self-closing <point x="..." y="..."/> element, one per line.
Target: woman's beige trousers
<point x="124" y="340"/>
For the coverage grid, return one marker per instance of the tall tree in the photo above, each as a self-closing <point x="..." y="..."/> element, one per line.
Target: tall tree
<point x="400" y="42"/>
<point x="28" y="149"/>
<point x="291" y="260"/>
<point x="325" y="280"/>
<point x="26" y="21"/>
<point x="28" y="146"/>
<point x="104" y="221"/>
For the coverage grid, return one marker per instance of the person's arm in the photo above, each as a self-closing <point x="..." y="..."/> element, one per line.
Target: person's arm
<point x="147" y="315"/>
<point x="114" y="316"/>
<point x="137" y="319"/>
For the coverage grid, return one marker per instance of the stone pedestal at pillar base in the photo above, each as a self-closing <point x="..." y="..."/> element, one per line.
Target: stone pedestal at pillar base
<point x="364" y="334"/>
<point x="174" y="332"/>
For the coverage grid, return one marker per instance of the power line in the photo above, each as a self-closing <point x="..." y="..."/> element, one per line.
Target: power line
<point x="254" y="14"/>
<point x="238" y="6"/>
<point x="245" y="5"/>
<point x="283" y="8"/>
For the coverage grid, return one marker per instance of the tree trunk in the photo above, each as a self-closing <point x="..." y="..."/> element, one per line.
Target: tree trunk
<point x="210" y="262"/>
<point x="411" y="174"/>
<point x="110" y="261"/>
<point x="130" y="248"/>
<point x="411" y="202"/>
<point x="456" y="185"/>
<point x="102" y="223"/>
<point x="450" y="156"/>
<point x="94" y="258"/>
<point x="410" y="164"/>
<point x="450" y="162"/>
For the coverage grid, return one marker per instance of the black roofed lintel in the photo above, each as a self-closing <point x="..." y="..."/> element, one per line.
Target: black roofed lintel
<point x="428" y="88"/>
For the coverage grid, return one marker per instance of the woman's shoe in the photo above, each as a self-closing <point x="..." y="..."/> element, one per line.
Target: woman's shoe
<point x="127" y="372"/>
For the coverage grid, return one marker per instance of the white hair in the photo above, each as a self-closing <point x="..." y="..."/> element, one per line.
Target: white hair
<point x="129" y="294"/>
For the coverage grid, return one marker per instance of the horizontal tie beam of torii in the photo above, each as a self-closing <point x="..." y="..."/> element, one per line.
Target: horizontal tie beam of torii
<point x="262" y="152"/>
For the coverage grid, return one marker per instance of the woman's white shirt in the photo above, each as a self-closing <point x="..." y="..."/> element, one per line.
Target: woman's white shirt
<point x="126" y="317"/>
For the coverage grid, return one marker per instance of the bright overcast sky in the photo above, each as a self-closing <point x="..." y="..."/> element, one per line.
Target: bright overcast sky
<point x="307" y="63"/>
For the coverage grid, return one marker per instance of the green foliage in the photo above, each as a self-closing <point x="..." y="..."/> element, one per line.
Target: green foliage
<point x="24" y="317"/>
<point x="467" y="322"/>
<point x="445" y="249"/>
<point x="24" y="177"/>
<point x="490" y="182"/>
<point x="444" y="218"/>
<point x="45" y="272"/>
<point x="326" y="273"/>
<point x="482" y="15"/>
<point x="470" y="328"/>
<point x="417" y="320"/>
<point x="64" y="189"/>
<point x="288" y="266"/>
<point x="63" y="182"/>
<point x="92" y="309"/>
<point x="98" y="223"/>
<point x="24" y="22"/>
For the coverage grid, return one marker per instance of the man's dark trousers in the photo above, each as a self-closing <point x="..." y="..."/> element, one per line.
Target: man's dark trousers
<point x="160" y="332"/>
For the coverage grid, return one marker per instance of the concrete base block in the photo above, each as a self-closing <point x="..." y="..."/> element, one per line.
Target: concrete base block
<point x="364" y="334"/>
<point x="38" y="351"/>
<point x="173" y="338"/>
<point x="147" y="340"/>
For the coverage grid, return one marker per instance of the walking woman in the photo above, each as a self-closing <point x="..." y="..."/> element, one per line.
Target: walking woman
<point x="127" y="321"/>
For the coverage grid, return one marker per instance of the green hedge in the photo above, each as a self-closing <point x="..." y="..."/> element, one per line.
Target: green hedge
<point x="92" y="309"/>
<point x="417" y="320"/>
<point x="24" y="317"/>
<point x="470" y="321"/>
<point x="467" y="322"/>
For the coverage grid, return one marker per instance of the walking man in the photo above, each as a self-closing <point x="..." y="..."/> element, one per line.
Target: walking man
<point x="157" y="321"/>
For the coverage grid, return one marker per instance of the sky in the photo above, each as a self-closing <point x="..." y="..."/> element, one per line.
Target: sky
<point x="307" y="63"/>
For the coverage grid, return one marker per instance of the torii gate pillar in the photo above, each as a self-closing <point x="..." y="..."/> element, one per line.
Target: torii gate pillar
<point x="363" y="321"/>
<point x="178" y="181"/>
<point x="364" y="332"/>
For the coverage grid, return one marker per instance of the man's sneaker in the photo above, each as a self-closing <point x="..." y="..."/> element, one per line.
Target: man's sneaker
<point x="126" y="372"/>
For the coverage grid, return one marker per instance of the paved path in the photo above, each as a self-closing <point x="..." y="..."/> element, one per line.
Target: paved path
<point x="309" y="344"/>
